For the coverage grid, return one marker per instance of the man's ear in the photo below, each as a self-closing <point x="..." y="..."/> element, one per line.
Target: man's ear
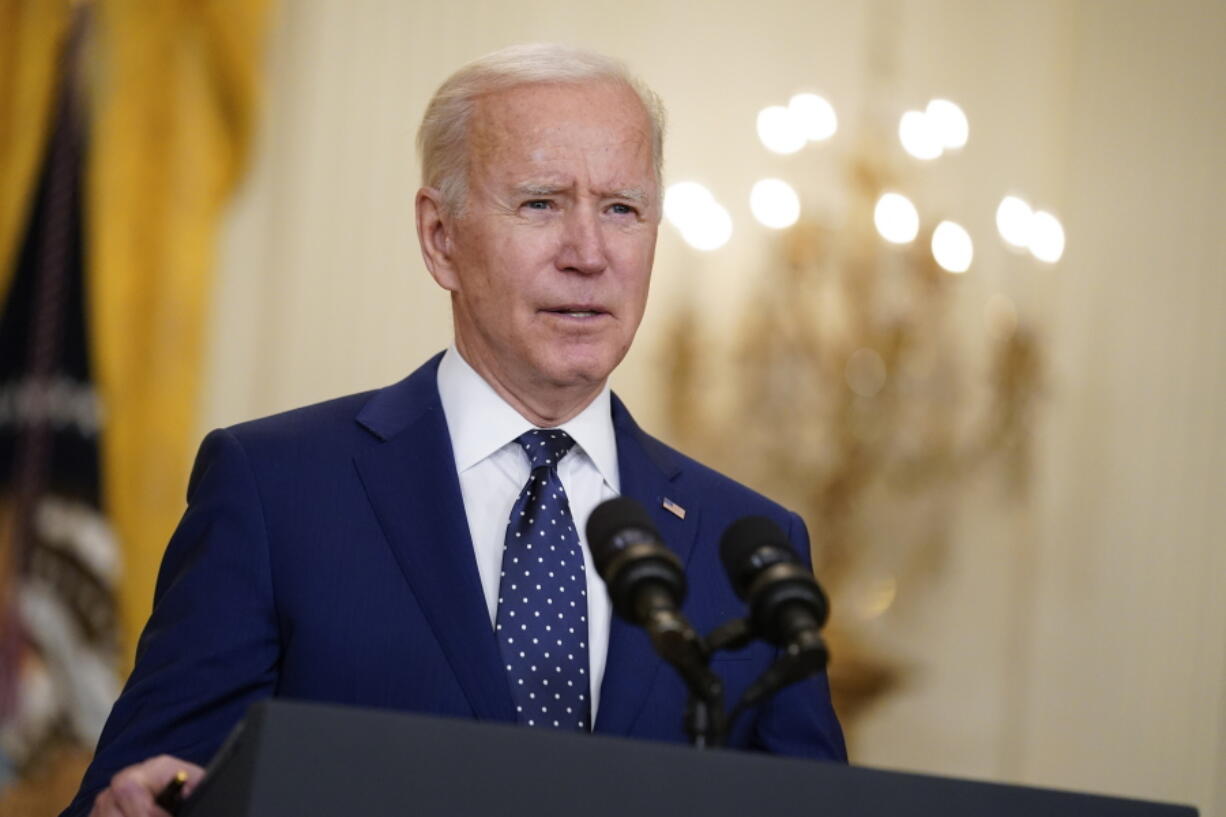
<point x="434" y="233"/>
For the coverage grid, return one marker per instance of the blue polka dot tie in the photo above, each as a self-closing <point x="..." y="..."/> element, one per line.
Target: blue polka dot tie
<point x="542" y="596"/>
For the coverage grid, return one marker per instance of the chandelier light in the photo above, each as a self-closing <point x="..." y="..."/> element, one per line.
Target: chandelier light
<point x="919" y="138"/>
<point x="948" y="122"/>
<point x="1014" y="220"/>
<point x="815" y="116"/>
<point x="952" y="247"/>
<point x="780" y="130"/>
<point x="703" y="222"/>
<point x="1046" y="237"/>
<point x="896" y="218"/>
<point x="774" y="203"/>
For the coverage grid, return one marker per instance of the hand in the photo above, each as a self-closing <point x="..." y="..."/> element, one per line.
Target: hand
<point x="133" y="790"/>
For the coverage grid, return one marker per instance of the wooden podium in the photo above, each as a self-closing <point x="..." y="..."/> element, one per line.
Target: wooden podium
<point x="292" y="759"/>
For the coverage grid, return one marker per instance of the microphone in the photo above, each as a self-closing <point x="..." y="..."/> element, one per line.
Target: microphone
<point x="645" y="579"/>
<point x="787" y="607"/>
<point x="646" y="584"/>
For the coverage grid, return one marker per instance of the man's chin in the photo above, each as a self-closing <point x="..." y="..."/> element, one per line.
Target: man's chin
<point x="577" y="371"/>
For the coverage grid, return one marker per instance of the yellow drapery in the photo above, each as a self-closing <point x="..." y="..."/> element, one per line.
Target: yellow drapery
<point x="174" y="98"/>
<point x="171" y="87"/>
<point x="31" y="34"/>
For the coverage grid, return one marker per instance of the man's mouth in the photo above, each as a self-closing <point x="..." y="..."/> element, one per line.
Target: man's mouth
<point x="577" y="311"/>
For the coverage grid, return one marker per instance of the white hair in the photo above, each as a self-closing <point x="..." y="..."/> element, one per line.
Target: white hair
<point x="443" y="134"/>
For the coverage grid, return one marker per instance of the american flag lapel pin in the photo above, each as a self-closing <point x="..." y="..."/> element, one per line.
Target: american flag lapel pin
<point x="673" y="508"/>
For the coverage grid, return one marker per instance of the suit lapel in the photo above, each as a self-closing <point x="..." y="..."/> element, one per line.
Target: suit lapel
<point x="411" y="482"/>
<point x="648" y="474"/>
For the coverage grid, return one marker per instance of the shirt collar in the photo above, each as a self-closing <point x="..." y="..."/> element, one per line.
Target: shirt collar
<point x="480" y="422"/>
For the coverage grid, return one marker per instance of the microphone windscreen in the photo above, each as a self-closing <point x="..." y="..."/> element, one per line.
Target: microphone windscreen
<point x="612" y="517"/>
<point x="750" y="545"/>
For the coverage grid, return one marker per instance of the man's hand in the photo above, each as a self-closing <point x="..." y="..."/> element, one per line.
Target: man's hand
<point x="132" y="791"/>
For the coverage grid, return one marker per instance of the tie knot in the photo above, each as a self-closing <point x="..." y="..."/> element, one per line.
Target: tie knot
<point x="545" y="446"/>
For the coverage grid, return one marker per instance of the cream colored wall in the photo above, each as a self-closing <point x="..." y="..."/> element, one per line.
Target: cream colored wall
<point x="1081" y="644"/>
<point x="1130" y="633"/>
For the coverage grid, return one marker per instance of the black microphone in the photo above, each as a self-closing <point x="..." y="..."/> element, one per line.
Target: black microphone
<point x="646" y="584"/>
<point x="646" y="580"/>
<point x="787" y="607"/>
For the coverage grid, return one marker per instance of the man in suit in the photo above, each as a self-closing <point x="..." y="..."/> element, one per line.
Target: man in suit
<point x="376" y="550"/>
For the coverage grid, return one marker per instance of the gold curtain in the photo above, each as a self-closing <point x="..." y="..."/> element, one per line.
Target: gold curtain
<point x="171" y="88"/>
<point x="31" y="34"/>
<point x="174" y="98"/>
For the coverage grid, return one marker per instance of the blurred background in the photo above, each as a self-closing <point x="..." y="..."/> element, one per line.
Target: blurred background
<point x="958" y="266"/>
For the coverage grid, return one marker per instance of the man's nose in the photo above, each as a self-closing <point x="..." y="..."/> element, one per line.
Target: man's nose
<point x="583" y="242"/>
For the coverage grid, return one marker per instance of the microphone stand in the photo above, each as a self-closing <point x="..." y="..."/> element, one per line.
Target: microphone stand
<point x="680" y="646"/>
<point x="705" y="721"/>
<point x="805" y="656"/>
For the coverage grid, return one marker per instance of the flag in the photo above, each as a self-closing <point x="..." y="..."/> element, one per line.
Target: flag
<point x="109" y="213"/>
<point x="59" y="633"/>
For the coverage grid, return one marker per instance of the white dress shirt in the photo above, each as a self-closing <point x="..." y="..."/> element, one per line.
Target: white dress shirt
<point x="493" y="469"/>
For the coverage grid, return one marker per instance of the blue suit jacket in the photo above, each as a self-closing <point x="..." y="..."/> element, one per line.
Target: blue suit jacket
<point x="325" y="555"/>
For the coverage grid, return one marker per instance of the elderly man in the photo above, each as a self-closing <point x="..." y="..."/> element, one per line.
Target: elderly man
<point x="378" y="550"/>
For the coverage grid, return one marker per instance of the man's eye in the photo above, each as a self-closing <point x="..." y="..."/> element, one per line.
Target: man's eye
<point x="538" y="204"/>
<point x="622" y="209"/>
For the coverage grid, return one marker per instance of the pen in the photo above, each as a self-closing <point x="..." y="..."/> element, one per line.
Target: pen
<point x="170" y="798"/>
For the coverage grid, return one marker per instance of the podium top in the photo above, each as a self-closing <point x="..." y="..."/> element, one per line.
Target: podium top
<point x="302" y="759"/>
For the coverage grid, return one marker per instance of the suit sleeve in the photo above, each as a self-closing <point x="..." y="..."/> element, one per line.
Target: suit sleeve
<point x="211" y="645"/>
<point x="800" y="720"/>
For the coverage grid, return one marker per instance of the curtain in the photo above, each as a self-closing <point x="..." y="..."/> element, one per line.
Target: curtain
<point x="124" y="129"/>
